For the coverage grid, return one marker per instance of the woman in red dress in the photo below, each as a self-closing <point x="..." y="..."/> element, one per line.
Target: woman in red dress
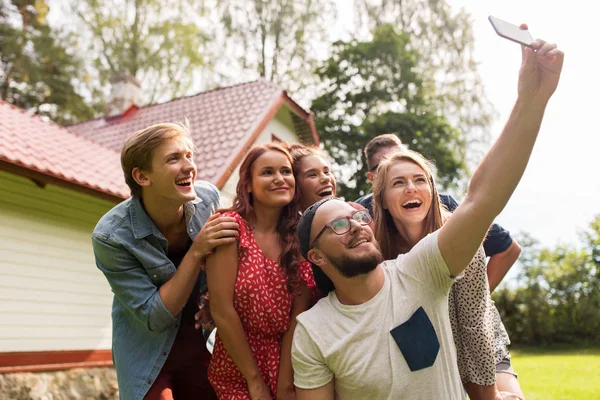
<point x="260" y="284"/>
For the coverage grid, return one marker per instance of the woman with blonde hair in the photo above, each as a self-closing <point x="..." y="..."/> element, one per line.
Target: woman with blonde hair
<point x="407" y="207"/>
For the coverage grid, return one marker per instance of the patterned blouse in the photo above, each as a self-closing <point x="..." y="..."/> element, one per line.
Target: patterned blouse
<point x="480" y="337"/>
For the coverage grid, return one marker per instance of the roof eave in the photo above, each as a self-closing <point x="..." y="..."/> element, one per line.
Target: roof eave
<point x="306" y="115"/>
<point x="46" y="178"/>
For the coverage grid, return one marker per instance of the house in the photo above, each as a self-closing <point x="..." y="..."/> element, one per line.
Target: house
<point x="225" y="122"/>
<point x="55" y="184"/>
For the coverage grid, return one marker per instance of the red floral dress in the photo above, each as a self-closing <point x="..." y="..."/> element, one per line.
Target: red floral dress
<point x="263" y="303"/>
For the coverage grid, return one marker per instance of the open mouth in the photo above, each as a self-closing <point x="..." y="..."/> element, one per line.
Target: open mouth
<point x="412" y="204"/>
<point x="357" y="243"/>
<point x="187" y="182"/>
<point x="327" y="192"/>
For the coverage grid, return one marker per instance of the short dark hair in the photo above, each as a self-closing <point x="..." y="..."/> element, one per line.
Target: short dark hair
<point x="379" y="142"/>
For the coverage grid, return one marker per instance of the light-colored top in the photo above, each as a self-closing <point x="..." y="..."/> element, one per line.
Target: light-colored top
<point x="480" y="337"/>
<point x="354" y="346"/>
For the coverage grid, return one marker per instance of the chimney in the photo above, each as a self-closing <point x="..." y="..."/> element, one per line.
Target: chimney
<point x="124" y="93"/>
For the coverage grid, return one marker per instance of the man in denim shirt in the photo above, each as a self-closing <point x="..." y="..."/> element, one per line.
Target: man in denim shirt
<point x="151" y="249"/>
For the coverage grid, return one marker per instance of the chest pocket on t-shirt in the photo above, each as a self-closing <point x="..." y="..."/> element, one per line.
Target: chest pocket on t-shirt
<point x="417" y="340"/>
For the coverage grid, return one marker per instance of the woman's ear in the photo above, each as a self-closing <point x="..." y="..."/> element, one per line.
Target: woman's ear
<point x="140" y="177"/>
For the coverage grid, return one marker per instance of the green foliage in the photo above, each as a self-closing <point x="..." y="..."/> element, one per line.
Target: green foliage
<point x="374" y="87"/>
<point x="274" y="39"/>
<point x="445" y="41"/>
<point x="158" y="42"/>
<point x="38" y="70"/>
<point x="558" y="296"/>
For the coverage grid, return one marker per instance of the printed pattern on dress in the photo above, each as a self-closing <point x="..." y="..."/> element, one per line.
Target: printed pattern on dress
<point x="263" y="303"/>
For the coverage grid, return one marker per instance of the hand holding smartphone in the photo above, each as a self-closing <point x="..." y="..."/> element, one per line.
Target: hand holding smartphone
<point x="511" y="31"/>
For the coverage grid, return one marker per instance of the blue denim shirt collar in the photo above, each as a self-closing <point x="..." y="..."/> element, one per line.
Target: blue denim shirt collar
<point x="143" y="226"/>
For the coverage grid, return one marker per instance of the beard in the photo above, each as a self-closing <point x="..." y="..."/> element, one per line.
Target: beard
<point x="350" y="266"/>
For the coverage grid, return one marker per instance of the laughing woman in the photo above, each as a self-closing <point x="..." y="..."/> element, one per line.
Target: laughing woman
<point x="314" y="178"/>
<point x="260" y="284"/>
<point x="407" y="208"/>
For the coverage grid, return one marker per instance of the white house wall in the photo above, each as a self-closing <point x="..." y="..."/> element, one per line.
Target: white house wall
<point x="52" y="296"/>
<point x="283" y="128"/>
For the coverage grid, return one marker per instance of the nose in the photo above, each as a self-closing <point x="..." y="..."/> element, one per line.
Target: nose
<point x="278" y="178"/>
<point x="410" y="186"/>
<point x="189" y="165"/>
<point x="324" y="178"/>
<point x="354" y="226"/>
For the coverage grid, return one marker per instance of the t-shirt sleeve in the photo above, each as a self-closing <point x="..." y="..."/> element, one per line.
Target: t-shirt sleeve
<point x="449" y="201"/>
<point x="426" y="265"/>
<point x="497" y="240"/>
<point x="310" y="370"/>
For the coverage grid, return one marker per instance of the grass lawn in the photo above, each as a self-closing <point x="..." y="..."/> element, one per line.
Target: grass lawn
<point x="560" y="372"/>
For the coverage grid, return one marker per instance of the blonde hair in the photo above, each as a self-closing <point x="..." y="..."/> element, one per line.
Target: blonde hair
<point x="392" y="243"/>
<point x="138" y="149"/>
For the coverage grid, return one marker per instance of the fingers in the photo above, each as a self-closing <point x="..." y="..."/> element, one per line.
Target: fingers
<point x="217" y="219"/>
<point x="226" y="233"/>
<point x="524" y="27"/>
<point x="557" y="57"/>
<point x="222" y="241"/>
<point x="528" y="58"/>
<point x="220" y="224"/>
<point x="545" y="48"/>
<point x="213" y="217"/>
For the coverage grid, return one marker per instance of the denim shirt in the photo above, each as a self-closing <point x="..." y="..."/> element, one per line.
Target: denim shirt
<point x="132" y="254"/>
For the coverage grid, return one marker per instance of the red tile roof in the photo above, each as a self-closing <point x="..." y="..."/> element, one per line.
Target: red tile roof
<point x="222" y="121"/>
<point x="28" y="141"/>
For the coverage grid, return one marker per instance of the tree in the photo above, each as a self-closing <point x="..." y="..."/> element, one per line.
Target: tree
<point x="445" y="41"/>
<point x="274" y="39"/>
<point x="38" y="71"/>
<point x="374" y="87"/>
<point x="159" y="43"/>
<point x="557" y="298"/>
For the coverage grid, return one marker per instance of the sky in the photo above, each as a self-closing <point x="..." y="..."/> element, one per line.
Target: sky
<point x="559" y="190"/>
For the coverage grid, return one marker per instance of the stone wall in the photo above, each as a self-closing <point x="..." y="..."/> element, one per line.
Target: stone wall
<point x="73" y="384"/>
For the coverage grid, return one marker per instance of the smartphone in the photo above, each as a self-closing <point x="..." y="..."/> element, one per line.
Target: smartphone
<point x="511" y="31"/>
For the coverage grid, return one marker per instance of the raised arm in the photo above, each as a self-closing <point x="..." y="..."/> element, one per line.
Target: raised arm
<point x="499" y="173"/>
<point x="221" y="273"/>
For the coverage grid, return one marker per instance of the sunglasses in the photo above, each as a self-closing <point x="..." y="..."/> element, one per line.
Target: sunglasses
<point x="341" y="225"/>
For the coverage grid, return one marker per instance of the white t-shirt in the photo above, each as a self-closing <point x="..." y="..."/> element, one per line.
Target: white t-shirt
<point x="354" y="346"/>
